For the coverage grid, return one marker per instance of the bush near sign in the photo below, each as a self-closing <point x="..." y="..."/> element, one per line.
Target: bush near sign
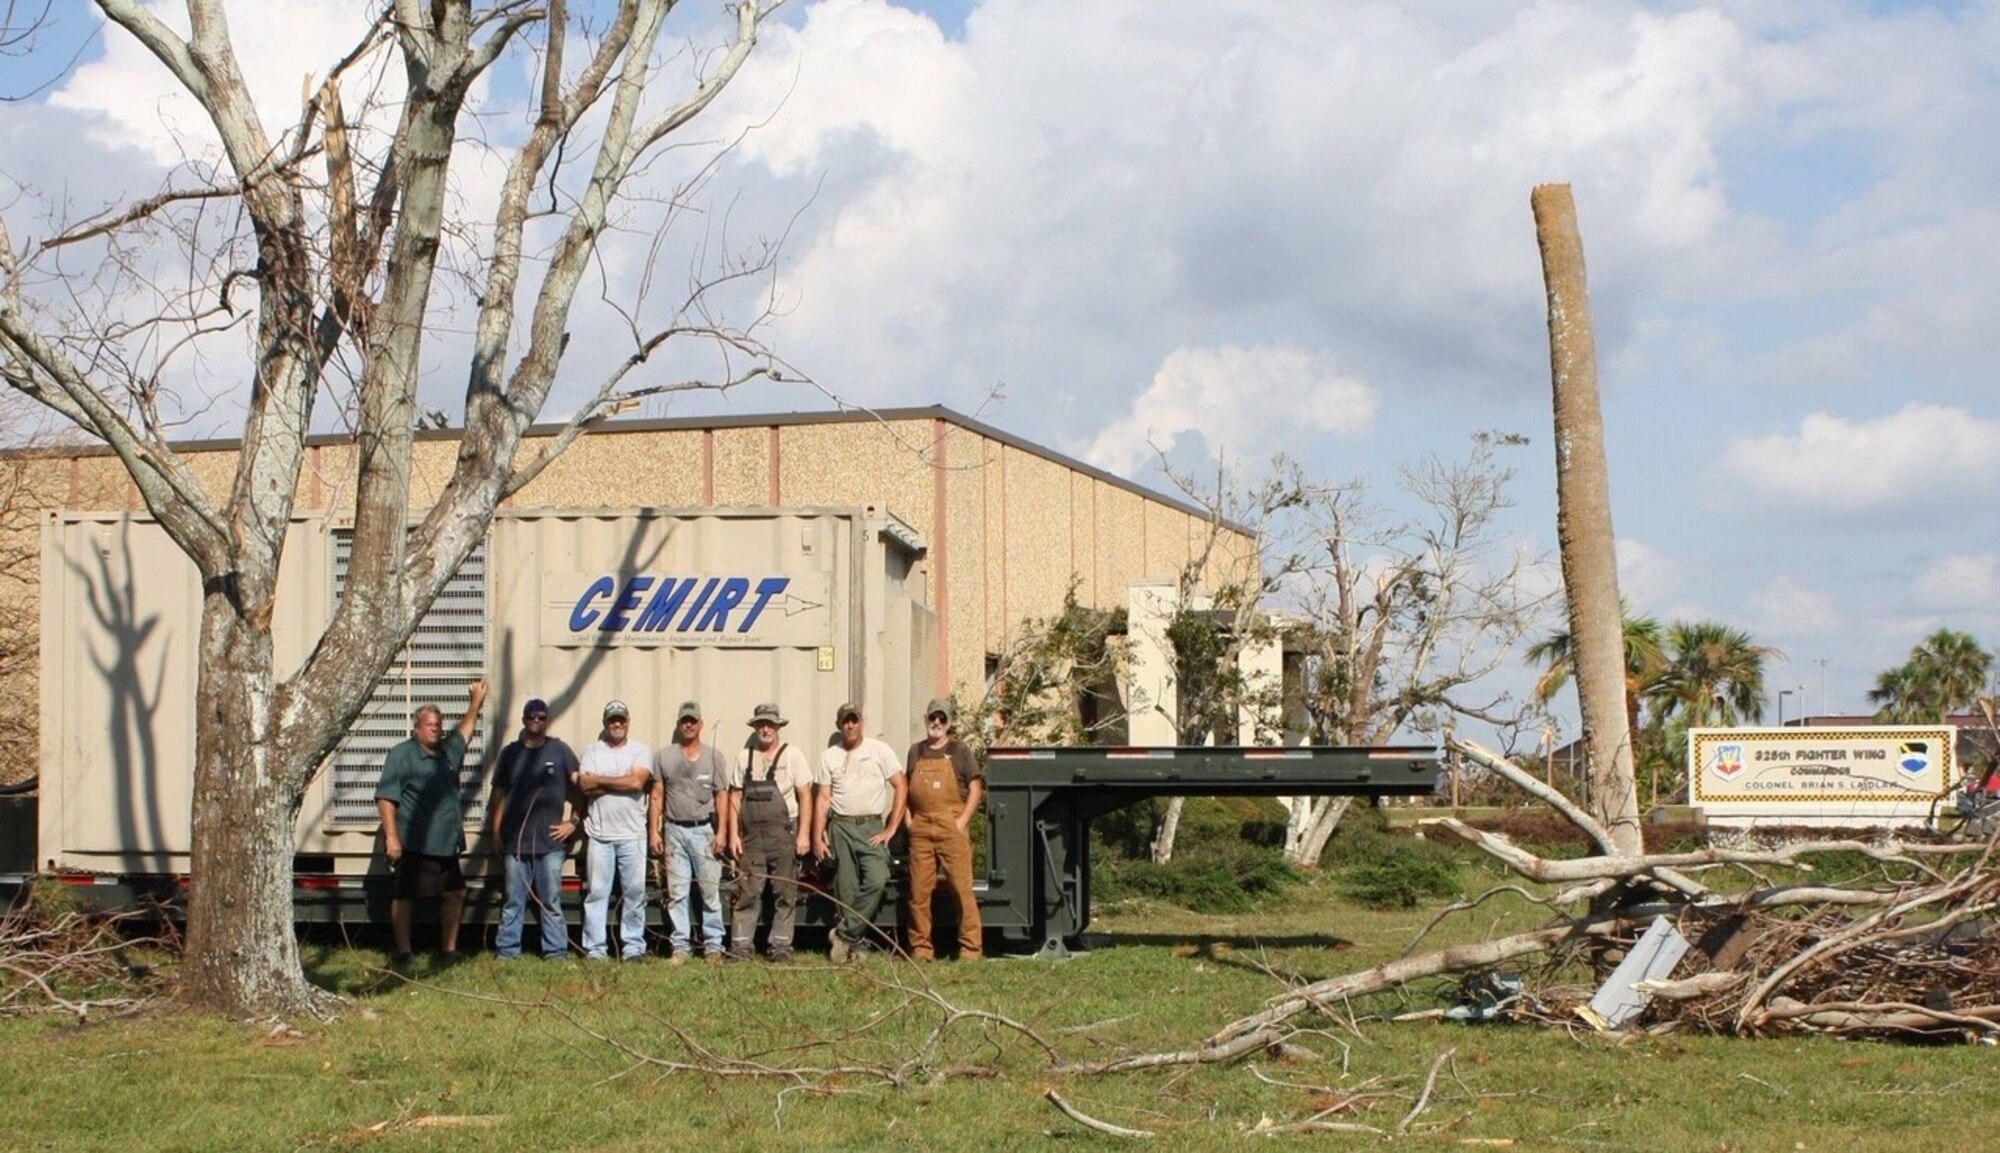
<point x="1874" y="774"/>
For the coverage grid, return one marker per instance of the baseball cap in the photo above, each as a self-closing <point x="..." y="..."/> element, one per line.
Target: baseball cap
<point x="534" y="705"/>
<point x="938" y="705"/>
<point x="845" y="711"/>
<point x="689" y="709"/>
<point x="617" y="709"/>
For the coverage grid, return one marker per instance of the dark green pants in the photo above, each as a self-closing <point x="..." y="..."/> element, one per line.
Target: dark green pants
<point x="860" y="873"/>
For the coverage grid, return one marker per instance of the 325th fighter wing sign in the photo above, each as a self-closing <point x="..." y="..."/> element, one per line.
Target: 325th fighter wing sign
<point x="682" y="610"/>
<point x="1872" y="766"/>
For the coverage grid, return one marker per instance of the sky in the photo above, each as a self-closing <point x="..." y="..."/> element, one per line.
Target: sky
<point x="1227" y="228"/>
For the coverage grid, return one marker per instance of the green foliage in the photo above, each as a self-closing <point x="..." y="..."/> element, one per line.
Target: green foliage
<point x="1057" y="683"/>
<point x="1385" y="869"/>
<point x="1695" y="674"/>
<point x="1946" y="673"/>
<point x="1206" y="877"/>
<point x="1403" y="881"/>
<point x="1228" y="858"/>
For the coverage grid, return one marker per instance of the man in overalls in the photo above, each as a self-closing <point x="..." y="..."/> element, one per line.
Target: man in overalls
<point x="762" y="832"/>
<point x="945" y="787"/>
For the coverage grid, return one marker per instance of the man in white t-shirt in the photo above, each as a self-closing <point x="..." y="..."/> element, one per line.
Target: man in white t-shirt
<point x="615" y="776"/>
<point x="859" y="805"/>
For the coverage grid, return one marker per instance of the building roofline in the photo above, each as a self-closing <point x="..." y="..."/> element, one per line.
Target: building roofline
<point x="699" y="423"/>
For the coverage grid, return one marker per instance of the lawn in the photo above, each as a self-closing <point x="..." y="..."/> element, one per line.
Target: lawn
<point x="567" y="1055"/>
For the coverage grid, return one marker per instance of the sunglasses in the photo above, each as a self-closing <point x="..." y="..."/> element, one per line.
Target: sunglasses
<point x="536" y="717"/>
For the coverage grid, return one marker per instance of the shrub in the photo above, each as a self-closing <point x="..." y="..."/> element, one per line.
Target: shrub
<point x="1404" y="880"/>
<point x="1211" y="876"/>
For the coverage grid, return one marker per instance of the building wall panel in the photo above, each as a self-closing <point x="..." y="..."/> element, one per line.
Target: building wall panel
<point x="657" y="470"/>
<point x="743" y="468"/>
<point x="1039" y="563"/>
<point x="966" y="476"/>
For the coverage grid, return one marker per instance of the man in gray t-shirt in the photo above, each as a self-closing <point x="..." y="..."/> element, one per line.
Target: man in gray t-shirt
<point x="686" y="776"/>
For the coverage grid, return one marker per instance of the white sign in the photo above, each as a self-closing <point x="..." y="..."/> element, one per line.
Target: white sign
<point x="1821" y="774"/>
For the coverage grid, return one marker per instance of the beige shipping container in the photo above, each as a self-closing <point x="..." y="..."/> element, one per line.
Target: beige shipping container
<point x="809" y="608"/>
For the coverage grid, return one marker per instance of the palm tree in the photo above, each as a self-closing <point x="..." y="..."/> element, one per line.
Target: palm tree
<point x="1643" y="661"/>
<point x="1945" y="674"/>
<point x="1713" y="676"/>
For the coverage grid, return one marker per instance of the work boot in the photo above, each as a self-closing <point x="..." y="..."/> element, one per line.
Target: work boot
<point x="839" y="950"/>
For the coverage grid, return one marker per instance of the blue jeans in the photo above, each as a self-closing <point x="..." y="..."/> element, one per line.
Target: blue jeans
<point x="690" y="858"/>
<point x="540" y="878"/>
<point x="625" y="861"/>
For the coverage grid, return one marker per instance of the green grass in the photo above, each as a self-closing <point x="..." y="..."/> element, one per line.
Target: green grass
<point x="543" y="1056"/>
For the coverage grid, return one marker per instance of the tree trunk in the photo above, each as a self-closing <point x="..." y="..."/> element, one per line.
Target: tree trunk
<point x="1310" y="825"/>
<point x="242" y="956"/>
<point x="1583" y="520"/>
<point x="1170" y="827"/>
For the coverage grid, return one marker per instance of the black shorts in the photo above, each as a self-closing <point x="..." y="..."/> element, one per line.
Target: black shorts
<point x="419" y="876"/>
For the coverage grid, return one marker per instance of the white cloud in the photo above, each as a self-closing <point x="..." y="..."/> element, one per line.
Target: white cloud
<point x="284" y="51"/>
<point x="1784" y="607"/>
<point x="1070" y="192"/>
<point x="1238" y="400"/>
<point x="1959" y="582"/>
<point x="1843" y="465"/>
<point x="1646" y="576"/>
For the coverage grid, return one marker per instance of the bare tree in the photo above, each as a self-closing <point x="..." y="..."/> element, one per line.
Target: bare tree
<point x="331" y="243"/>
<point x="1215" y="621"/>
<point x="1583" y="520"/>
<point x="1404" y="618"/>
<point x="1393" y="622"/>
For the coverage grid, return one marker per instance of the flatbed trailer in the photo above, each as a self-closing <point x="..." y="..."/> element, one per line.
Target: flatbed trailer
<point x="1039" y="805"/>
<point x="1040" y="802"/>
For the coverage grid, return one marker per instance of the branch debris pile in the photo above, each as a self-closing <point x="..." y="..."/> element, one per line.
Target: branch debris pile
<point x="76" y="964"/>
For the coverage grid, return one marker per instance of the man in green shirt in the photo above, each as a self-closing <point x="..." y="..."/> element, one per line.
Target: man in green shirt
<point x="423" y="826"/>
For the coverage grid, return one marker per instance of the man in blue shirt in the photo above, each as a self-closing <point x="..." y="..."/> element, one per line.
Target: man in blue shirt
<point x="532" y="825"/>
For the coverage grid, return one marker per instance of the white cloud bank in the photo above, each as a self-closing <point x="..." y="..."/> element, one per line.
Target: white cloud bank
<point x="1836" y="464"/>
<point x="1238" y="400"/>
<point x="1960" y="582"/>
<point x="1785" y="607"/>
<point x="1646" y="576"/>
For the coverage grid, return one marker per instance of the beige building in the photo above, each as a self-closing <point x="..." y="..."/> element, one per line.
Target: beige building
<point x="998" y="527"/>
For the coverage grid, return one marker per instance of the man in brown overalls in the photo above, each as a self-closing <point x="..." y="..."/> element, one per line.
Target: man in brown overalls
<point x="945" y="787"/>
<point x="763" y="831"/>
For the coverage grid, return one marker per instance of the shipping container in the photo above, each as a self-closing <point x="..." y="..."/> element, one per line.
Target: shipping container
<point x="809" y="608"/>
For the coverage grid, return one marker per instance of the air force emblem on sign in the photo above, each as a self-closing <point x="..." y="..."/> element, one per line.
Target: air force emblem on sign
<point x="1913" y="757"/>
<point x="1728" y="761"/>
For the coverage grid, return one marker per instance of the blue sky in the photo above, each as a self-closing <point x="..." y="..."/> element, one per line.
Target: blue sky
<point x="1239" y="226"/>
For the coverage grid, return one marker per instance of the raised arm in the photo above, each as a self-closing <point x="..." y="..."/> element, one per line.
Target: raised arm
<point x="470" y="721"/>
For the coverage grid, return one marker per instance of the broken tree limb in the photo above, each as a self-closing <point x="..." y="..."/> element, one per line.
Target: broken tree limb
<point x="1215" y="1050"/>
<point x="1883" y="1016"/>
<point x="1688" y="988"/>
<point x="1607" y="844"/>
<point x="1514" y="775"/>
<point x="1592" y="868"/>
<point x="1087" y="1121"/>
<point x="1455" y="959"/>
